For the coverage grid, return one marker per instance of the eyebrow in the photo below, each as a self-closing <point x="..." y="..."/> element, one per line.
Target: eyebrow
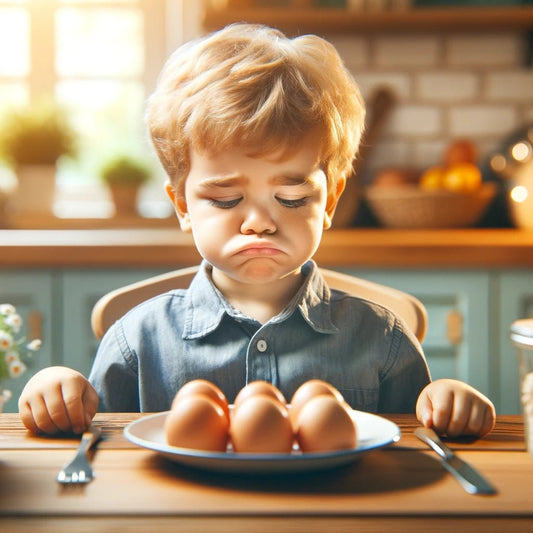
<point x="237" y="179"/>
<point x="224" y="180"/>
<point x="290" y="179"/>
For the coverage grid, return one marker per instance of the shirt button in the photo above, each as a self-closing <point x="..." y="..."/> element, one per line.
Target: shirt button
<point x="262" y="345"/>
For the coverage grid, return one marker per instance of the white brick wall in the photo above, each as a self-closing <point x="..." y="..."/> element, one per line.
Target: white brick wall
<point x="415" y="120"/>
<point x="483" y="50"/>
<point x="413" y="52"/>
<point x="481" y="120"/>
<point x="510" y="86"/>
<point x="400" y="83"/>
<point x="447" y="85"/>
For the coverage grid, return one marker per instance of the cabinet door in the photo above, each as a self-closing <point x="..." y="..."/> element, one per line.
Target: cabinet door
<point x="515" y="302"/>
<point x="81" y="290"/>
<point x="456" y="343"/>
<point x="32" y="293"/>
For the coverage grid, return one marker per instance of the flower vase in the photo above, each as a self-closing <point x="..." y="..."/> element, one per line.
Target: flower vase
<point x="35" y="191"/>
<point x="125" y="199"/>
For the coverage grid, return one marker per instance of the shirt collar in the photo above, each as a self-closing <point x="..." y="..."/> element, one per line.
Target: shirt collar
<point x="314" y="300"/>
<point x="206" y="307"/>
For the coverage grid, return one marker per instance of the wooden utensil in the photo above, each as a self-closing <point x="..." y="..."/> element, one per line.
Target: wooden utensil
<point x="380" y="105"/>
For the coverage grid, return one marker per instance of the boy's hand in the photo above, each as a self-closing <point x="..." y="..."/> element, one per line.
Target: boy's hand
<point x="454" y="408"/>
<point x="58" y="399"/>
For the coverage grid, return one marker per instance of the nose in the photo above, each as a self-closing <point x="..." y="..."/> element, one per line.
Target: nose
<point x="258" y="220"/>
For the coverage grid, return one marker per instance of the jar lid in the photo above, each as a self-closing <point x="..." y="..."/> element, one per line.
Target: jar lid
<point x="522" y="331"/>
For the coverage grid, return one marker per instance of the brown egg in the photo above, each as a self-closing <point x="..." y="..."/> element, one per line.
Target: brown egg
<point x="197" y="422"/>
<point x="324" y="424"/>
<point x="259" y="387"/>
<point x="261" y="424"/>
<point x="307" y="391"/>
<point x="202" y="386"/>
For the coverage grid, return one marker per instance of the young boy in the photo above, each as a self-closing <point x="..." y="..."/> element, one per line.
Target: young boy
<point x="257" y="133"/>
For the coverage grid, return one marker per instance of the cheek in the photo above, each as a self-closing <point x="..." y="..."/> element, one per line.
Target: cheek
<point x="313" y="214"/>
<point x="212" y="225"/>
<point x="305" y="225"/>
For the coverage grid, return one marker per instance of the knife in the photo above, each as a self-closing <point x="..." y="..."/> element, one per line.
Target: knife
<point x="471" y="480"/>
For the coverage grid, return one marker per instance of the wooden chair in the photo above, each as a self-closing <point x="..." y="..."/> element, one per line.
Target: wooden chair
<point x="117" y="303"/>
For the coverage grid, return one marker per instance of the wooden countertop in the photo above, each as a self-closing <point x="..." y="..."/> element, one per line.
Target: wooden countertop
<point x="402" y="487"/>
<point x="358" y="247"/>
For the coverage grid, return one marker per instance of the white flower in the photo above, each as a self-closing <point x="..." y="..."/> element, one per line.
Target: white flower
<point x="34" y="345"/>
<point x="7" y="309"/>
<point x="4" y="396"/>
<point x="14" y="321"/>
<point x="15" y="351"/>
<point x="10" y="356"/>
<point x="16" y="368"/>
<point x="6" y="340"/>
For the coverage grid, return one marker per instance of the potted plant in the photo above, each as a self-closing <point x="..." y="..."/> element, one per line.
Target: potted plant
<point x="32" y="139"/>
<point x="124" y="175"/>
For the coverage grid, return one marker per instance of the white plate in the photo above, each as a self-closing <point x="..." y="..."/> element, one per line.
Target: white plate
<point x="373" y="432"/>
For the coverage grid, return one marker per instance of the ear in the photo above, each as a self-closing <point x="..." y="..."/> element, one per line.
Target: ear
<point x="333" y="199"/>
<point x="177" y="197"/>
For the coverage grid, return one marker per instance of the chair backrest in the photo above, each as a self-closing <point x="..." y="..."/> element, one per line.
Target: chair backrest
<point x="117" y="303"/>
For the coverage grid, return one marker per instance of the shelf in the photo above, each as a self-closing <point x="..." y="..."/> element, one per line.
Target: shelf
<point x="331" y="20"/>
<point x="350" y="248"/>
<point x="30" y="221"/>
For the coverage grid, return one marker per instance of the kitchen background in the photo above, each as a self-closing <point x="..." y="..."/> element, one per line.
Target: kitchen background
<point x="451" y="72"/>
<point x="101" y="60"/>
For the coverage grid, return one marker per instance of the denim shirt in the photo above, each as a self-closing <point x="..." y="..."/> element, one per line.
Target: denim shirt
<point x="358" y="346"/>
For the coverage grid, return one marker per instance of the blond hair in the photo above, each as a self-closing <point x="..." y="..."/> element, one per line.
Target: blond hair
<point x="250" y="86"/>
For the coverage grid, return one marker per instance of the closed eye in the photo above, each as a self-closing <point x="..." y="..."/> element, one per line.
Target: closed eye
<point x="224" y="204"/>
<point x="297" y="202"/>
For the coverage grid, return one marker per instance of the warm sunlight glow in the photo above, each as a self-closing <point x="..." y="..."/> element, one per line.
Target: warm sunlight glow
<point x="101" y="42"/>
<point x="14" y="42"/>
<point x="519" y="194"/>
<point x="521" y="151"/>
<point x="91" y="57"/>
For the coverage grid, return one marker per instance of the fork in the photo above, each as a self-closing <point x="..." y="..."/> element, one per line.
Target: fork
<point x="79" y="470"/>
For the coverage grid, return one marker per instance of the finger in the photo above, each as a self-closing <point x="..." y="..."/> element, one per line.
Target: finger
<point x="423" y="410"/>
<point x="90" y="403"/>
<point x="71" y="393"/>
<point x="42" y="418"/>
<point x="489" y="420"/>
<point x="26" y="416"/>
<point x="476" y="419"/>
<point x="459" y="419"/>
<point x="56" y="408"/>
<point x="442" y="406"/>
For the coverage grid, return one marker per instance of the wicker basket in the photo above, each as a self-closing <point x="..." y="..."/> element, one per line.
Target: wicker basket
<point x="410" y="206"/>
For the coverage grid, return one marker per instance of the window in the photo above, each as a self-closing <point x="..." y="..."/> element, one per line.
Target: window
<point x="99" y="59"/>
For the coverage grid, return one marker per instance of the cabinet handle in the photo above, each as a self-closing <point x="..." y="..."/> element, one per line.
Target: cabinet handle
<point x="35" y="325"/>
<point x="454" y="327"/>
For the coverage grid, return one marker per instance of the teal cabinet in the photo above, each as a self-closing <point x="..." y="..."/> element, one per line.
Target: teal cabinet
<point x="514" y="301"/>
<point x="31" y="292"/>
<point x="80" y="291"/>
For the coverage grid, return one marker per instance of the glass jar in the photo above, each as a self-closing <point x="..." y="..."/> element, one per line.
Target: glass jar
<point x="522" y="338"/>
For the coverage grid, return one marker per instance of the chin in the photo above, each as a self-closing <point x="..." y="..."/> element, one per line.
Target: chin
<point x="258" y="271"/>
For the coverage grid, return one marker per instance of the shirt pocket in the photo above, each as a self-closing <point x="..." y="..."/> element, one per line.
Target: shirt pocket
<point x="361" y="399"/>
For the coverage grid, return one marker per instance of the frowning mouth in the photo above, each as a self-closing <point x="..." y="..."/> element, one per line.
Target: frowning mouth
<point x="259" y="249"/>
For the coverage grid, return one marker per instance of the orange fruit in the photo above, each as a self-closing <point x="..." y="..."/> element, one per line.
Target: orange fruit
<point x="462" y="177"/>
<point x="432" y="178"/>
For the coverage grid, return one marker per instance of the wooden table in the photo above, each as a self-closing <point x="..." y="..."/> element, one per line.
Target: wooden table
<point x="399" y="488"/>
